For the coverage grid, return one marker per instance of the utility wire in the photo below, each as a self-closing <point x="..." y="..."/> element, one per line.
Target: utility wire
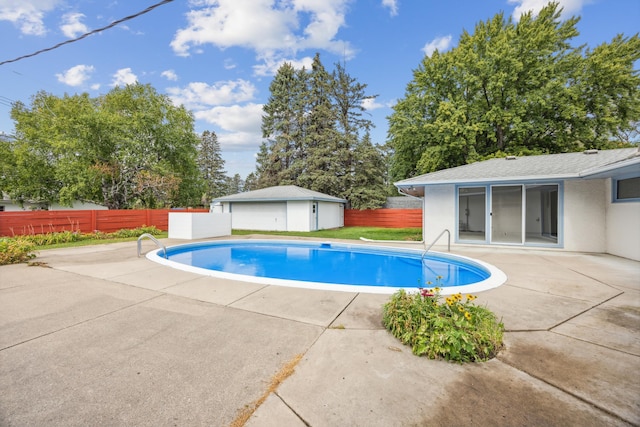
<point x="98" y="30"/>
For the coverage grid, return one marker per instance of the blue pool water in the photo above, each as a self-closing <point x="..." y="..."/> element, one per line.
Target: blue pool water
<point x="328" y="263"/>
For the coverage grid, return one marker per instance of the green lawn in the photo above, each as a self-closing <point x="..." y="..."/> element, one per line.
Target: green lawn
<point x="349" y="233"/>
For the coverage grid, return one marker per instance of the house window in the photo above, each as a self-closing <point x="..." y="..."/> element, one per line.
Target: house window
<point x="1" y="208"/>
<point x="626" y="190"/>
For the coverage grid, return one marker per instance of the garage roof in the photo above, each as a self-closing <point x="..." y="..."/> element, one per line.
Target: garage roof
<point x="279" y="193"/>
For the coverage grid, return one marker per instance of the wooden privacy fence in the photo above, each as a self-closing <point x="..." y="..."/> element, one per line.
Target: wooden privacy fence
<point x="387" y="218"/>
<point x="107" y="221"/>
<point x="85" y="221"/>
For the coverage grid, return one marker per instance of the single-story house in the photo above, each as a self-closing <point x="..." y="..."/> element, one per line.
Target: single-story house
<point x="282" y="208"/>
<point x="587" y="202"/>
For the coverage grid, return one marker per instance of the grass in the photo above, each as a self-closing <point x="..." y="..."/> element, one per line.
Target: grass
<point x="348" y="233"/>
<point x="90" y="242"/>
<point x="287" y="370"/>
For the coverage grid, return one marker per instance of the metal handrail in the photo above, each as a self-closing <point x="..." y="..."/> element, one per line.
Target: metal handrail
<point x="446" y="230"/>
<point x="154" y="240"/>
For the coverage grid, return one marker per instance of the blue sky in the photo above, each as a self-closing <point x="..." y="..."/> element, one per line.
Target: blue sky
<point x="217" y="57"/>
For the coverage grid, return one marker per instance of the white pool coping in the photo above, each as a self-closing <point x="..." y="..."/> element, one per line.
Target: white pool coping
<point x="496" y="276"/>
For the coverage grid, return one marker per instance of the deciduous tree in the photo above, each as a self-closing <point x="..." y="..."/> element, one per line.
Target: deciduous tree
<point x="514" y="88"/>
<point x="128" y="148"/>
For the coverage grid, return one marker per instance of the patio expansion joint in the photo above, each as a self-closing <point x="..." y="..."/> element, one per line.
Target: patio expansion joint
<point x="344" y="308"/>
<point x="596" y="344"/>
<point x="564" y="390"/>
<point x="584" y="311"/>
<point x="230" y="304"/>
<point x="284" y="402"/>
<point x="83" y="322"/>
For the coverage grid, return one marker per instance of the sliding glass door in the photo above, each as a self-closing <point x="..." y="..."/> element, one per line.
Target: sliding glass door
<point x="515" y="214"/>
<point x="542" y="214"/>
<point x="472" y="213"/>
<point x="506" y="214"/>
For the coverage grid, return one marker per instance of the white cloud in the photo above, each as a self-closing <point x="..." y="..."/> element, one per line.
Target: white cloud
<point x="392" y="5"/>
<point x="76" y="76"/>
<point x="271" y="29"/>
<point x="199" y="95"/>
<point x="371" y="104"/>
<point x="95" y="86"/>
<point x="240" y="142"/>
<point x="234" y="118"/>
<point x="28" y="15"/>
<point x="570" y="7"/>
<point x="439" y="43"/>
<point x="225" y="23"/>
<point x="71" y="25"/>
<point x="269" y="66"/>
<point x="124" y="76"/>
<point x="242" y="124"/>
<point x="169" y="75"/>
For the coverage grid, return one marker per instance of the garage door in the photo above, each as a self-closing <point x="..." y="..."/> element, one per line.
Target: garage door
<point x="259" y="216"/>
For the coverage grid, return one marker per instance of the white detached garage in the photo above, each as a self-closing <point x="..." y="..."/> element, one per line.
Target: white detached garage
<point x="282" y="208"/>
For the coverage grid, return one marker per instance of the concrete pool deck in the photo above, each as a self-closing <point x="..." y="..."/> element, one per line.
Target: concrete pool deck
<point x="96" y="336"/>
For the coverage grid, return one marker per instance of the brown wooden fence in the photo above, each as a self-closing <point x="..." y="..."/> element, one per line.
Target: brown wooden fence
<point x="85" y="221"/>
<point x="387" y="218"/>
<point x="107" y="221"/>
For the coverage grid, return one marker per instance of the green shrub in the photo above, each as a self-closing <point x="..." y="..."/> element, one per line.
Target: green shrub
<point x="455" y="330"/>
<point x="52" y="238"/>
<point x="15" y="250"/>
<point x="136" y="232"/>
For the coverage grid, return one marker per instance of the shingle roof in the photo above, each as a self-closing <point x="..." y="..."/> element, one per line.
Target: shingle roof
<point x="549" y="166"/>
<point x="279" y="193"/>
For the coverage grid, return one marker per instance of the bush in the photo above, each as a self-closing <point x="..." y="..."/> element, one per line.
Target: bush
<point x="53" y="238"/>
<point x="15" y="250"/>
<point x="455" y="330"/>
<point x="135" y="232"/>
<point x="18" y="249"/>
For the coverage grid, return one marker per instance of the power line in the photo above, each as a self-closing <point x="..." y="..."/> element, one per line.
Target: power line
<point x="98" y="30"/>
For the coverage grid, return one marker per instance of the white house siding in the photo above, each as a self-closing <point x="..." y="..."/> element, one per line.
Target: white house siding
<point x="439" y="212"/>
<point x="623" y="227"/>
<point x="585" y="215"/>
<point x="258" y="216"/>
<point x="330" y="215"/>
<point x="12" y="207"/>
<point x="300" y="215"/>
<point x="78" y="206"/>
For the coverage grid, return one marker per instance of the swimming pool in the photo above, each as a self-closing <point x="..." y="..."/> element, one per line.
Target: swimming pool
<point x="331" y="266"/>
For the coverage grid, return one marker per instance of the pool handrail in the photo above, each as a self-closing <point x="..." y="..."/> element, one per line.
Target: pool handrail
<point x="154" y="240"/>
<point x="446" y="230"/>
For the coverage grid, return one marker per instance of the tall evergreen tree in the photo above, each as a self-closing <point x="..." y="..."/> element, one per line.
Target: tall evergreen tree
<point x="235" y="184"/>
<point x="349" y="97"/>
<point x="322" y="167"/>
<point x="251" y="182"/>
<point x="312" y="124"/>
<point x="367" y="190"/>
<point x="280" y="125"/>
<point x="266" y="175"/>
<point x="211" y="167"/>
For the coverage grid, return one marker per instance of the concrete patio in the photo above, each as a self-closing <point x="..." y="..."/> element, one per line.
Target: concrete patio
<point x="96" y="336"/>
